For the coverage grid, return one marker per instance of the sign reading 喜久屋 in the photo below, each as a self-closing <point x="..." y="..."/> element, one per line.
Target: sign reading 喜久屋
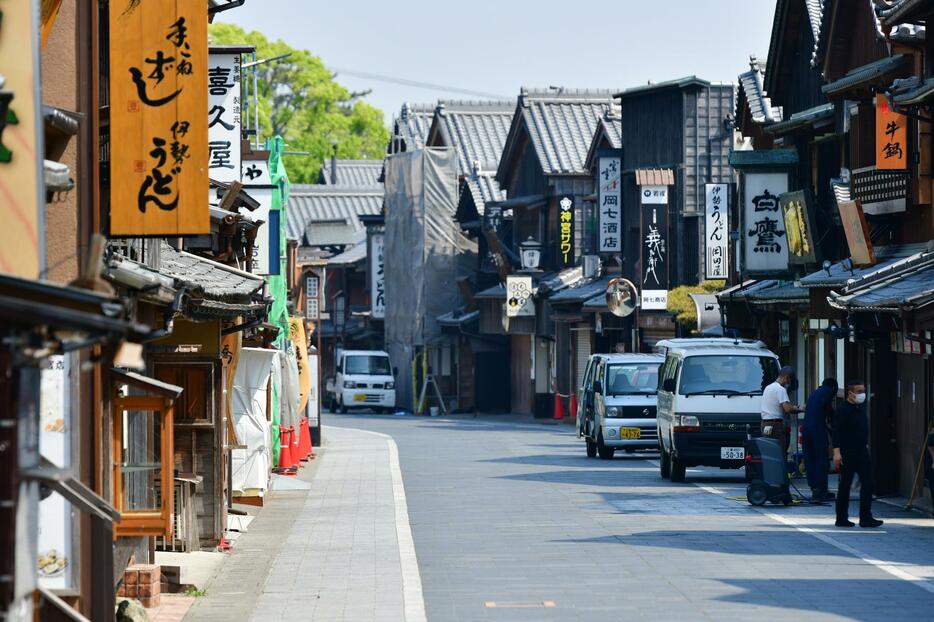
<point x="224" y="116"/>
<point x="716" y="231"/>
<point x="158" y="125"/>
<point x="609" y="205"/>
<point x="765" y="242"/>
<point x="654" y="248"/>
<point x="377" y="276"/>
<point x="566" y="232"/>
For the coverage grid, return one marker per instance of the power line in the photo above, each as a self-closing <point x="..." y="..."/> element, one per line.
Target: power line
<point x="415" y="83"/>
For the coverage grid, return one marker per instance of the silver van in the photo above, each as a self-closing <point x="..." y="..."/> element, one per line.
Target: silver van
<point x="617" y="403"/>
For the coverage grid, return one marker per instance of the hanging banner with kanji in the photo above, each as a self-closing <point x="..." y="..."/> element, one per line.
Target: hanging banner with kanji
<point x="765" y="241"/>
<point x="891" y="137"/>
<point x="716" y="231"/>
<point x="224" y="114"/>
<point x="609" y="205"/>
<point x="158" y="125"/>
<point x="566" y="232"/>
<point x="654" y="250"/>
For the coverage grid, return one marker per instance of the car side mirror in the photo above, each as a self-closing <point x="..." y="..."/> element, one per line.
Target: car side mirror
<point x="597" y="386"/>
<point x="669" y="385"/>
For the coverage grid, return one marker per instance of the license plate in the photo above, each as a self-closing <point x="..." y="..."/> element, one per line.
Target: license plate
<point x="732" y="453"/>
<point x="630" y="433"/>
<point x="359" y="397"/>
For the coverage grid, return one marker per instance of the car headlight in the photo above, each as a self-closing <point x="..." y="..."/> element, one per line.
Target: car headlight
<point x="390" y="385"/>
<point x="689" y="421"/>
<point x="612" y="411"/>
<point x="350" y="384"/>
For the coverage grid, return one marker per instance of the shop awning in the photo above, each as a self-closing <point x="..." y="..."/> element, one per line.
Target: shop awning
<point x="655" y="177"/>
<point x="903" y="286"/>
<point x="875" y="73"/>
<point x="838" y="274"/>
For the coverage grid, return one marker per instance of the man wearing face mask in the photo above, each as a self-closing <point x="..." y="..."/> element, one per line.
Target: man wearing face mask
<point x="851" y="455"/>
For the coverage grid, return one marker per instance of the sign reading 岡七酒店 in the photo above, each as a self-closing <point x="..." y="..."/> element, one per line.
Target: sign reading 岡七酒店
<point x="609" y="205"/>
<point x="891" y="137"/>
<point x="654" y="247"/>
<point x="21" y="198"/>
<point x="158" y="125"/>
<point x="765" y="243"/>
<point x="224" y="115"/>
<point x="377" y="276"/>
<point x="566" y="232"/>
<point x="717" y="230"/>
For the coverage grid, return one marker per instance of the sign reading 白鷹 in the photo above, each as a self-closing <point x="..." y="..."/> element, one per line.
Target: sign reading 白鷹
<point x="519" y="296"/>
<point x="377" y="276"/>
<point x="765" y="243"/>
<point x="609" y="205"/>
<point x="566" y="232"/>
<point x="716" y="231"/>
<point x="158" y="125"/>
<point x="654" y="249"/>
<point x="224" y="115"/>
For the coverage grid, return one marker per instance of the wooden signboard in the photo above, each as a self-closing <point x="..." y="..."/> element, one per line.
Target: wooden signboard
<point x="891" y="137"/>
<point x="158" y="118"/>
<point x="857" y="233"/>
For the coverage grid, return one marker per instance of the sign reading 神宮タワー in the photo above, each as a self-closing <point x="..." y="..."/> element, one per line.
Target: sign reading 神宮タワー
<point x="158" y="125"/>
<point x="891" y="137"/>
<point x="566" y="232"/>
<point x="654" y="248"/>
<point x="224" y="114"/>
<point x="609" y="205"/>
<point x="765" y="241"/>
<point x="716" y="231"/>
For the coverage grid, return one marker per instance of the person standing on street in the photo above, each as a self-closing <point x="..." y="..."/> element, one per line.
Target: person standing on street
<point x="818" y="412"/>
<point x="851" y="455"/>
<point x="776" y="405"/>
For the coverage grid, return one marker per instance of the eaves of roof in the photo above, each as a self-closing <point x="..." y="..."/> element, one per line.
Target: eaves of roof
<point x="902" y="287"/>
<point x="920" y="93"/>
<point x="476" y="130"/>
<point x="812" y="117"/>
<point x="899" y="11"/>
<point x="763" y="158"/>
<point x="867" y="75"/>
<point x="838" y="275"/>
<point x="679" y="83"/>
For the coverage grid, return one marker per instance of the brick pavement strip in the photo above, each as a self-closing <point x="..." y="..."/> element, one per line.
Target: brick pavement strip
<point x="331" y="553"/>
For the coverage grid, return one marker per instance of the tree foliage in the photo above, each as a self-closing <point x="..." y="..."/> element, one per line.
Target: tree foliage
<point x="680" y="303"/>
<point x="300" y="101"/>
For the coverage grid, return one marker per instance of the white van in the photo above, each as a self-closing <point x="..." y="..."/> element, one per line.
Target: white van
<point x="617" y="403"/>
<point x="362" y="379"/>
<point x="709" y="391"/>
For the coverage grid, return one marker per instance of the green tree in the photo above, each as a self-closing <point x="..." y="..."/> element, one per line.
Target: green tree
<point x="300" y="101"/>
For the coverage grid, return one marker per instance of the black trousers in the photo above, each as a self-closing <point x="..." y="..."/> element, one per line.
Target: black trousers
<point x="855" y="462"/>
<point x="816" y="461"/>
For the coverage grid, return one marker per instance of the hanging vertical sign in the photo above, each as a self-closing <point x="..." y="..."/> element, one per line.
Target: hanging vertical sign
<point x="799" y="227"/>
<point x="21" y="195"/>
<point x="377" y="276"/>
<point x="255" y="172"/>
<point x="715" y="232"/>
<point x="654" y="249"/>
<point x="891" y="137"/>
<point x="519" y="301"/>
<point x="609" y="177"/>
<point x="566" y="232"/>
<point x="158" y="125"/>
<point x="266" y="244"/>
<point x="765" y="243"/>
<point x="224" y="115"/>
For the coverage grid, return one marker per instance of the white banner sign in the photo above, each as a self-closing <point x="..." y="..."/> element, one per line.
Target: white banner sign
<point x="717" y="231"/>
<point x="224" y="116"/>
<point x="519" y="301"/>
<point x="765" y="243"/>
<point x="255" y="173"/>
<point x="377" y="277"/>
<point x="311" y="410"/>
<point x="609" y="175"/>
<point x="654" y="194"/>
<point x="263" y="245"/>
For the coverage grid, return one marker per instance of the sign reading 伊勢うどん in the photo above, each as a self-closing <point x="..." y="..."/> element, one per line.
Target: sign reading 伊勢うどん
<point x="716" y="231"/>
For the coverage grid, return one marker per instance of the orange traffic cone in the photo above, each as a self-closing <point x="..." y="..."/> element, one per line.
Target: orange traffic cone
<point x="286" y="465"/>
<point x="559" y="407"/>
<point x="296" y="447"/>
<point x="574" y="406"/>
<point x="304" y="440"/>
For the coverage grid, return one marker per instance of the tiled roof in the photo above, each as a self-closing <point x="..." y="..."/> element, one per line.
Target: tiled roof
<point x="329" y="203"/>
<point x="751" y="89"/>
<point x="410" y="127"/>
<point x="561" y="125"/>
<point x="680" y="83"/>
<point x="582" y="291"/>
<point x="867" y="74"/>
<point x="352" y="255"/>
<point x="218" y="282"/>
<point x="483" y="188"/>
<point x="816" y="18"/>
<point x="908" y="283"/>
<point x="351" y="173"/>
<point x="609" y="134"/>
<point x="766" y="292"/>
<point x="476" y="130"/>
<point x="837" y="275"/>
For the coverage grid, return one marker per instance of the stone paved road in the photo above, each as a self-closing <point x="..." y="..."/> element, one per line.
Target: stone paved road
<point x="518" y="516"/>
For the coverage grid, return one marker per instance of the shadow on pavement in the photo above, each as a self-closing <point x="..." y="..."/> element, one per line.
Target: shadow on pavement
<point x="731" y="542"/>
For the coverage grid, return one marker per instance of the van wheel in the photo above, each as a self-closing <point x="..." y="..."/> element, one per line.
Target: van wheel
<point x="591" y="447"/>
<point x="606" y="453"/>
<point x="678" y="469"/>
<point x="664" y="463"/>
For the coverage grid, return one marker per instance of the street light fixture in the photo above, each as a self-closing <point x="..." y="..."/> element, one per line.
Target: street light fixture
<point x="531" y="254"/>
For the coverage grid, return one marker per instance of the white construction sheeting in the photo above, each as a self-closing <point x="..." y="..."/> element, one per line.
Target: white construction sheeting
<point x="251" y="465"/>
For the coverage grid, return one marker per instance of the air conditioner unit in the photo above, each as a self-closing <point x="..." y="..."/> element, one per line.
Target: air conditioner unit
<point x="591" y="266"/>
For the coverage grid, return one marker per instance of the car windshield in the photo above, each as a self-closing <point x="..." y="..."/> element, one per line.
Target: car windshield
<point x="371" y="365"/>
<point x="727" y="374"/>
<point x="632" y="378"/>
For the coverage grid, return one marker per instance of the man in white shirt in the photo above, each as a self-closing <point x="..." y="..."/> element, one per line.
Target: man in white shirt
<point x="776" y="404"/>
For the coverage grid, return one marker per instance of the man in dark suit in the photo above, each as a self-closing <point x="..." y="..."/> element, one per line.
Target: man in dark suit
<point x="851" y="455"/>
<point x="817" y="414"/>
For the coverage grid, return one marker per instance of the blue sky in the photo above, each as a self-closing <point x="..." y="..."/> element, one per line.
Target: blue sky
<point x="497" y="46"/>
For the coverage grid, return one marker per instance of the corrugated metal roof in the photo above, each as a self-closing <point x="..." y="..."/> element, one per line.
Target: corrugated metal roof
<point x="837" y="275"/>
<point x="476" y="130"/>
<point x="561" y="126"/>
<point x="363" y="173"/>
<point x="329" y="203"/>
<point x="752" y="90"/>
<point x="655" y="177"/>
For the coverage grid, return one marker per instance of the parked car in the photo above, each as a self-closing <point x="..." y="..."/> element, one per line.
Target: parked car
<point x="709" y="391"/>
<point x="617" y="403"/>
<point x="362" y="379"/>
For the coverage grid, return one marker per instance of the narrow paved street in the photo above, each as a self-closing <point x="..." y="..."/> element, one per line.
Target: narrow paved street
<point x="511" y="521"/>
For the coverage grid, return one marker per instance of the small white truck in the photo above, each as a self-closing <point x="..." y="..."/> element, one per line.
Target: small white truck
<point x="362" y="379"/>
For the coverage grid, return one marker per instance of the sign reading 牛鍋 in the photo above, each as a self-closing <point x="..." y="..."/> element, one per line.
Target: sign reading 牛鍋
<point x="158" y="125"/>
<point x="765" y="242"/>
<point x="224" y="116"/>
<point x="609" y="175"/>
<point x="891" y="137"/>
<point x="716" y="231"/>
